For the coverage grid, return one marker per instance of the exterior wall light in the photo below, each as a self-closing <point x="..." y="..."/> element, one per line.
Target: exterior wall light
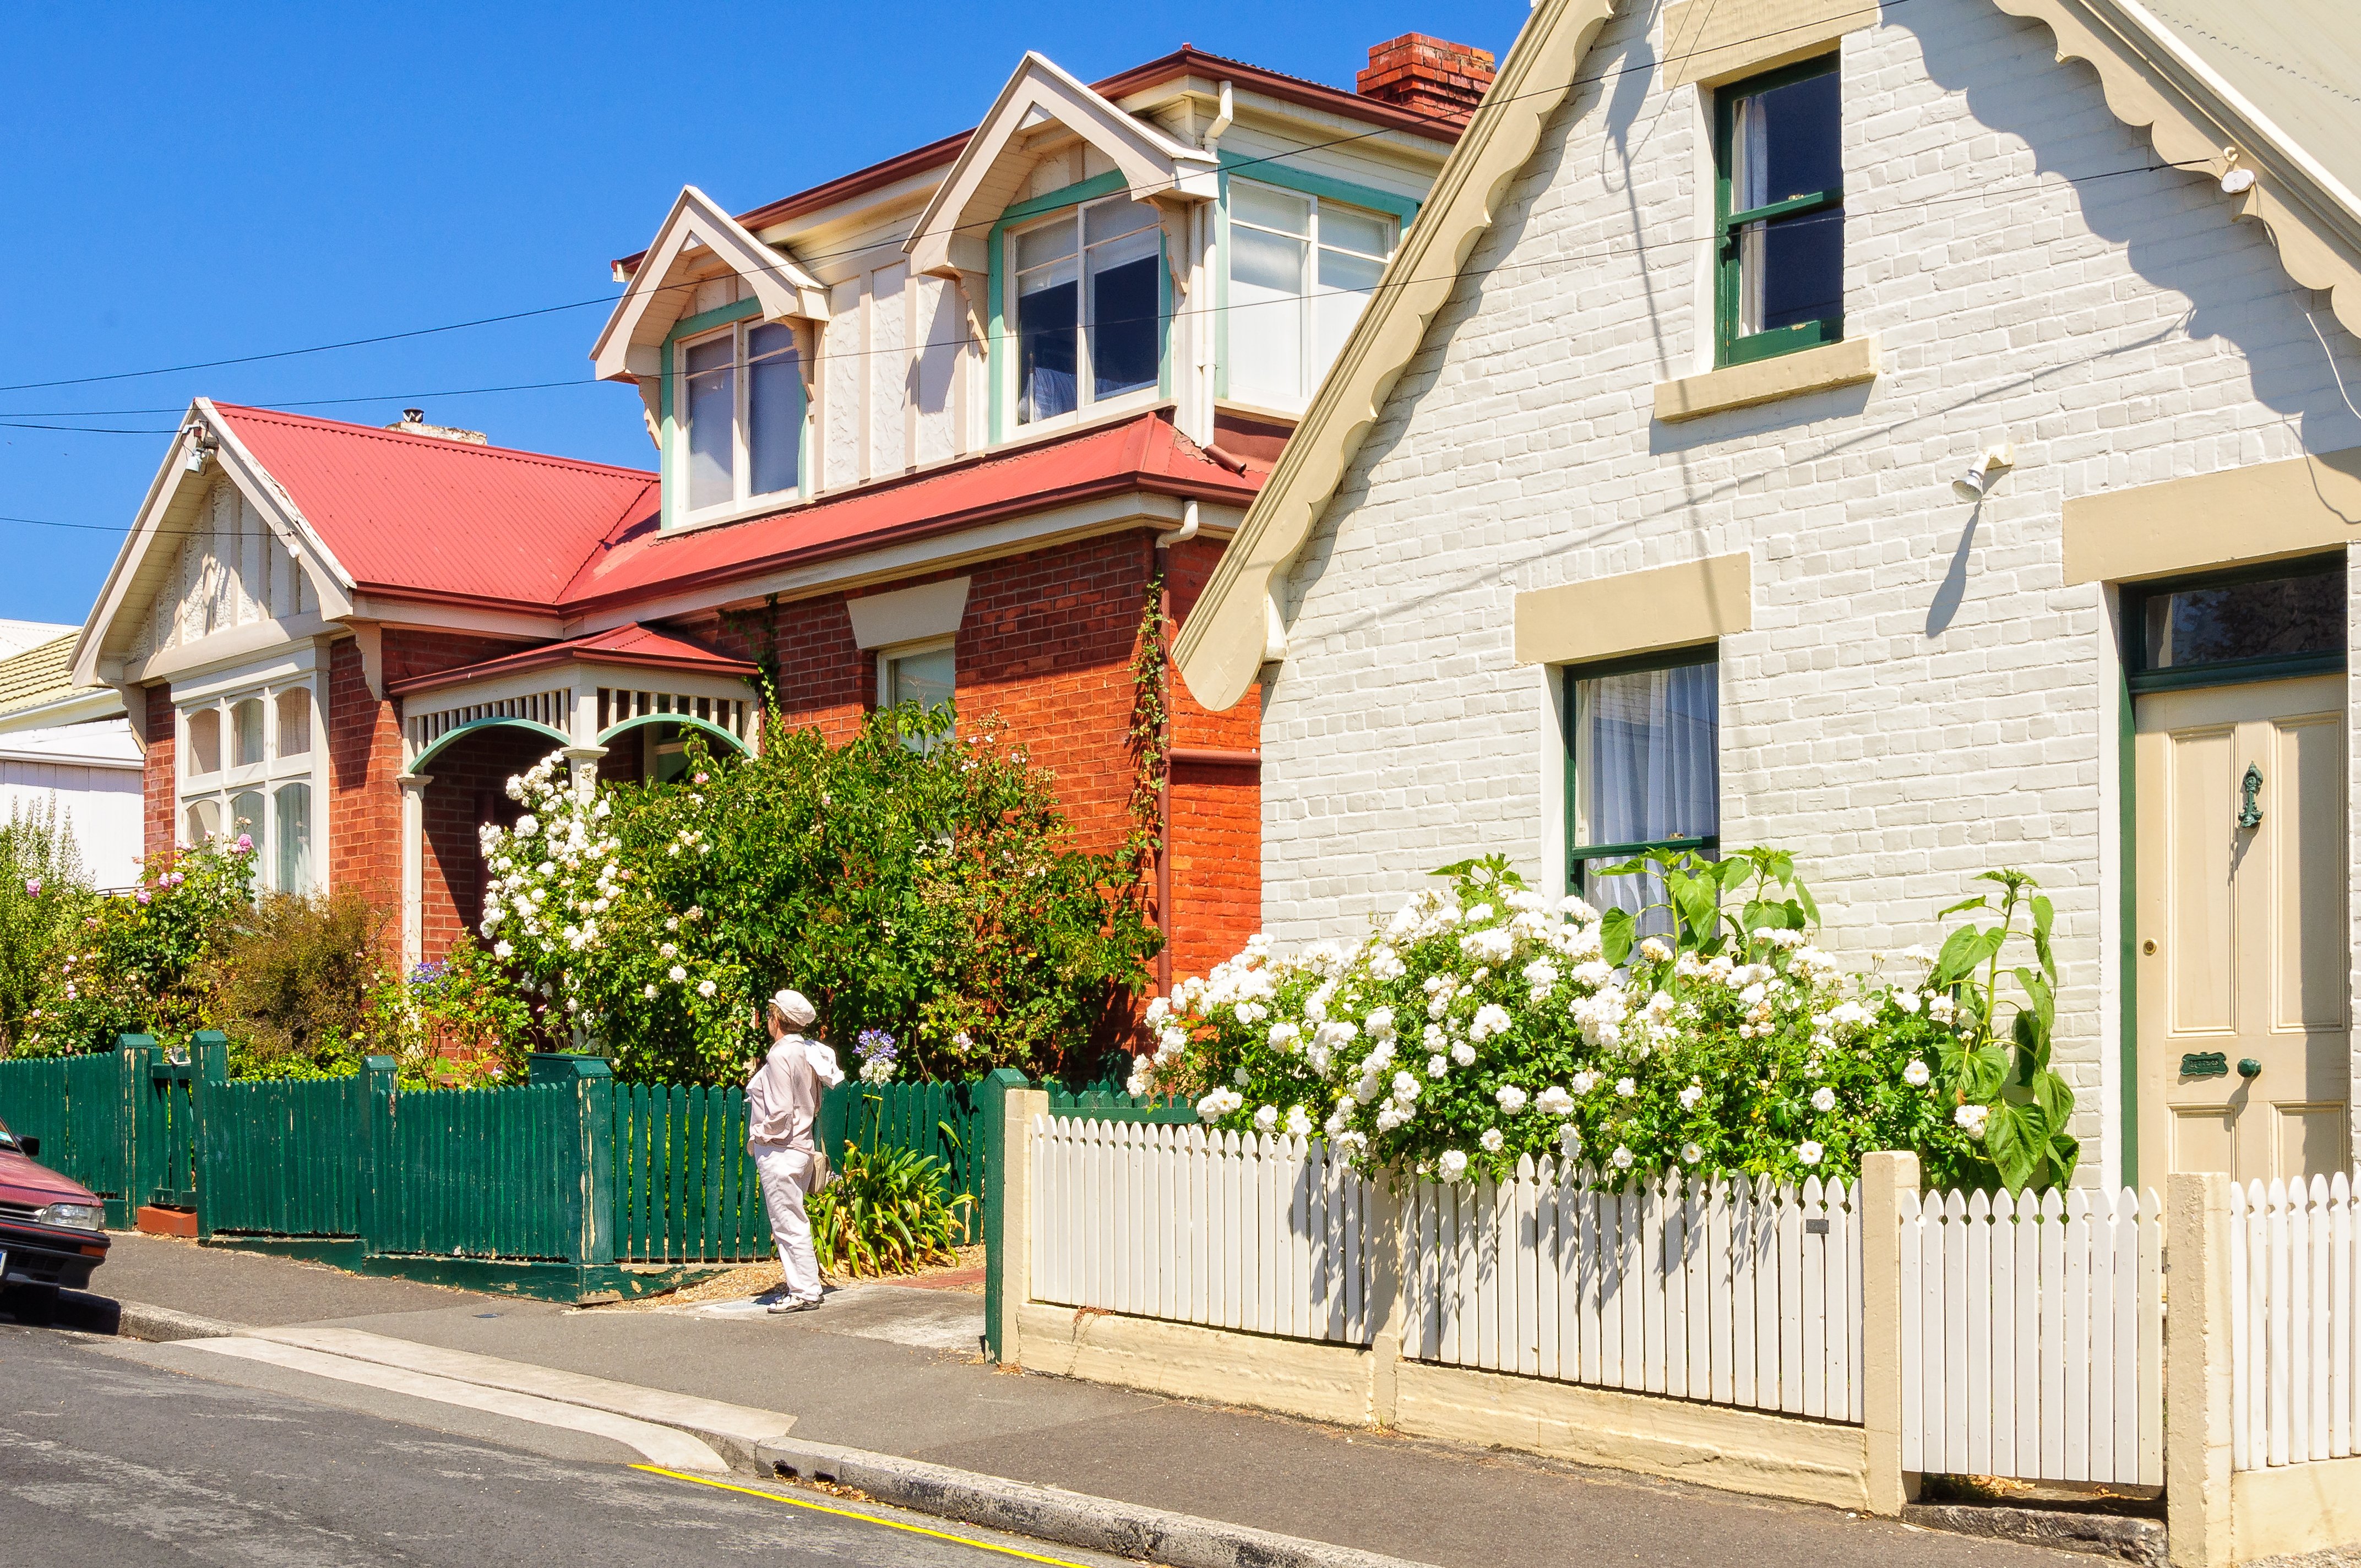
<point x="1977" y="482"/>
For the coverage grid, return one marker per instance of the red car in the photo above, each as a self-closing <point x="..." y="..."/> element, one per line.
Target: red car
<point x="49" y="1229"/>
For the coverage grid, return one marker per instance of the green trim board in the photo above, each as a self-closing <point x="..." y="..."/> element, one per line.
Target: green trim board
<point x="2128" y="919"/>
<point x="444" y="741"/>
<point x="1267" y="171"/>
<point x="569" y="1283"/>
<point x="1728" y="348"/>
<point x="691" y="720"/>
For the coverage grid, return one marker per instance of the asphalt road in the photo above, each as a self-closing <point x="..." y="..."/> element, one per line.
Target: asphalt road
<point x="111" y="1460"/>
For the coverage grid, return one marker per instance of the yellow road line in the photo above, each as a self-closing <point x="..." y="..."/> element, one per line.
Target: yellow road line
<point x="856" y="1514"/>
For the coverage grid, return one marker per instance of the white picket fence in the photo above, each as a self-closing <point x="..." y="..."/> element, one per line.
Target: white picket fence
<point x="1262" y="1235"/>
<point x="2032" y="1336"/>
<point x="2295" y="1322"/>
<point x="1713" y="1290"/>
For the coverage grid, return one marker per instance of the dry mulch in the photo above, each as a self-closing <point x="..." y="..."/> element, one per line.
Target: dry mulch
<point x="964" y="1274"/>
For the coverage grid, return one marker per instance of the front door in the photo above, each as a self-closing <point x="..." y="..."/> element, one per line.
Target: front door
<point x="2242" y="933"/>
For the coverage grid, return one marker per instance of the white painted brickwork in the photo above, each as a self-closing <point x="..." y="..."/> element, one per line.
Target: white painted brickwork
<point x="1915" y="704"/>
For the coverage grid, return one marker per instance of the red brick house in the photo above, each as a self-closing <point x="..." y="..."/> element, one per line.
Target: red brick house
<point x="933" y="430"/>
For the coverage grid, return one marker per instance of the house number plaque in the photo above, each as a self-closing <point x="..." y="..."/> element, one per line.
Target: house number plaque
<point x="2204" y="1064"/>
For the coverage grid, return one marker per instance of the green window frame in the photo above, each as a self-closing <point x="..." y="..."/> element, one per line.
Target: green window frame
<point x="1731" y="346"/>
<point x="1581" y="847"/>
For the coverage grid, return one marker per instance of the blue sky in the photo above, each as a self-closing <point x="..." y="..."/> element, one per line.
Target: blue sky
<point x="193" y="183"/>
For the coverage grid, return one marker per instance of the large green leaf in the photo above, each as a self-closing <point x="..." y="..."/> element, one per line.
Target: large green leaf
<point x="2012" y="1147"/>
<point x="2043" y="917"/>
<point x="1964" y="905"/>
<point x="1616" y="935"/>
<point x="2055" y="1096"/>
<point x="1963" y="951"/>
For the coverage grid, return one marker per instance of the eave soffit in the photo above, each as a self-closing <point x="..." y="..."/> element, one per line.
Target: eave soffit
<point x="628" y="347"/>
<point x="165" y="515"/>
<point x="950" y="236"/>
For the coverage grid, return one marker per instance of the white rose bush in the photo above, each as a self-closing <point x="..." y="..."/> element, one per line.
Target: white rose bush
<point x="1490" y="1022"/>
<point x="599" y="954"/>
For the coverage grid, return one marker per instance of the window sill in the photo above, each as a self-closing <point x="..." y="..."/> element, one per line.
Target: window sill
<point x="738" y="511"/>
<point x="1767" y="380"/>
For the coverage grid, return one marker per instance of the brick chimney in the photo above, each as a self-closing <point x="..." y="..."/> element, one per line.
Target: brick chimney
<point x="1427" y="76"/>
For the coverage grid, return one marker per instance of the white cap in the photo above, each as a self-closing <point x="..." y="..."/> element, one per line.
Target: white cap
<point x="791" y="1005"/>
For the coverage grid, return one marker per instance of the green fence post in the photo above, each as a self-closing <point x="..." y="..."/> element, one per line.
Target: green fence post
<point x="595" y="1091"/>
<point x="997" y="1087"/>
<point x="371" y="1136"/>
<point x="142" y="1141"/>
<point x="123" y="1211"/>
<point x="209" y="1055"/>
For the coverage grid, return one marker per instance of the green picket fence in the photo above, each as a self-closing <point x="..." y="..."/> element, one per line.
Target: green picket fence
<point x="684" y="1190"/>
<point x="164" y="1115"/>
<point x="282" y="1158"/>
<point x="75" y="1105"/>
<point x="481" y="1173"/>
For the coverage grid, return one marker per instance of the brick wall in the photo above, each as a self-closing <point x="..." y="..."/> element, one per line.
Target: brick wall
<point x="470" y="788"/>
<point x="159" y="776"/>
<point x="1215" y="832"/>
<point x="364" y="802"/>
<point x="1920" y="697"/>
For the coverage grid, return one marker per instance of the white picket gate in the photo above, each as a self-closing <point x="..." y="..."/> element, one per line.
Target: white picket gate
<point x="2032" y="1336"/>
<point x="2295" y="1322"/>
<point x="1713" y="1290"/>
<point x="1262" y="1235"/>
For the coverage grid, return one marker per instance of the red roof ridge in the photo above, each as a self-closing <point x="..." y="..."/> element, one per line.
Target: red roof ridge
<point x="438" y="443"/>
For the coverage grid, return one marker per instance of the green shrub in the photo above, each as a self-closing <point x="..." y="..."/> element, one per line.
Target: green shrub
<point x="910" y="880"/>
<point x="134" y="963"/>
<point x="888" y="1211"/>
<point x="44" y="898"/>
<point x="293" y="981"/>
<point x="457" y="1024"/>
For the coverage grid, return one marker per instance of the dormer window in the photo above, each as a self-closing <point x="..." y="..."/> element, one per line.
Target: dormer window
<point x="1089" y="307"/>
<point x="1301" y="271"/>
<point x="742" y="403"/>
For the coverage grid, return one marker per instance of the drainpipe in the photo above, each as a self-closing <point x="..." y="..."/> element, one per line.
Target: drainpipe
<point x="1214" y="130"/>
<point x="1187" y="531"/>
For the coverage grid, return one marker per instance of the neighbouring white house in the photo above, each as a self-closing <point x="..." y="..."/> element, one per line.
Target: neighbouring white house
<point x="68" y="748"/>
<point x="1917" y="436"/>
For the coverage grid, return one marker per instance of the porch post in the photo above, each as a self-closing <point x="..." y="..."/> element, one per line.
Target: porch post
<point x="413" y="867"/>
<point x="584" y="759"/>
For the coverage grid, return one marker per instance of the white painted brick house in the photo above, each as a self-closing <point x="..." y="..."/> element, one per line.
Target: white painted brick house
<point x="1573" y="439"/>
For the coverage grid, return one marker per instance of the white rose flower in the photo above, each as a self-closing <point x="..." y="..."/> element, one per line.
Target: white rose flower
<point x="1266" y="1119"/>
<point x="1824" y="1099"/>
<point x="1622" y="1158"/>
<point x="1553" y="1102"/>
<point x="650" y="993"/>
<point x="1299" y="1122"/>
<point x="1490" y="1019"/>
<point x="1585" y="1082"/>
<point x="1405" y="1088"/>
<point x="527" y="825"/>
<point x="677" y="974"/>
<point x="1569" y="1140"/>
<point x="1691" y="1153"/>
<point x="1655" y="951"/>
<point x="1453" y="1165"/>
<point x="1380" y="1022"/>
<point x="1917" y="1074"/>
<point x="1942" y="1009"/>
<point x="1908" y="1001"/>
<point x="1691" y="1095"/>
<point x="1491" y="1140"/>
<point x="1972" y="1118"/>
<point x="1808" y="1152"/>
<point x="503" y="949"/>
<point x="705" y="988"/>
<point x="668" y="950"/>
<point x="1463" y="1054"/>
<point x="1626" y="1088"/>
<point x="1241" y="1077"/>
<point x="1511" y="1098"/>
<point x="1436" y="1067"/>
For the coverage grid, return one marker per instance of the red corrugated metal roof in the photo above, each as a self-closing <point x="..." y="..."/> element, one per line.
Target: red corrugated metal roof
<point x="642" y="647"/>
<point x="1142" y="453"/>
<point x="420" y="516"/>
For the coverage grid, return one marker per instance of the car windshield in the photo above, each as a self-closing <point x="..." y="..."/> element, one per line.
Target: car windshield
<point x="7" y="1138"/>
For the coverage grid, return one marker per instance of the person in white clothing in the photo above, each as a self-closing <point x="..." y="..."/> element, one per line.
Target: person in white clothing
<point x="783" y="1098"/>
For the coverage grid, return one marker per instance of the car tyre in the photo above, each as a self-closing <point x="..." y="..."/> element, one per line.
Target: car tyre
<point x="35" y="1305"/>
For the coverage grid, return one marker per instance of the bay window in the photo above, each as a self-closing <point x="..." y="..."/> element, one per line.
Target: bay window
<point x="1301" y="269"/>
<point x="742" y="402"/>
<point x="1646" y="769"/>
<point x="1089" y="304"/>
<point x="263" y="788"/>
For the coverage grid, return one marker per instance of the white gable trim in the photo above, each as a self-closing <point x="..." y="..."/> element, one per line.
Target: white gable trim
<point x="174" y="484"/>
<point x="632" y="343"/>
<point x="1238" y="625"/>
<point x="950" y="237"/>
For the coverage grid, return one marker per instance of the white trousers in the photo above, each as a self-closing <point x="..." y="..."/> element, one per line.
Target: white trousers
<point x="787" y="1176"/>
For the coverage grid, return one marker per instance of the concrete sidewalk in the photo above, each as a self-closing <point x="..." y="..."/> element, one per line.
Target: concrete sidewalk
<point x="899" y="1371"/>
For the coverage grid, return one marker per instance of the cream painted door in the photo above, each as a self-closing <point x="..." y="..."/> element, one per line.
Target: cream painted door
<point x="2242" y="933"/>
